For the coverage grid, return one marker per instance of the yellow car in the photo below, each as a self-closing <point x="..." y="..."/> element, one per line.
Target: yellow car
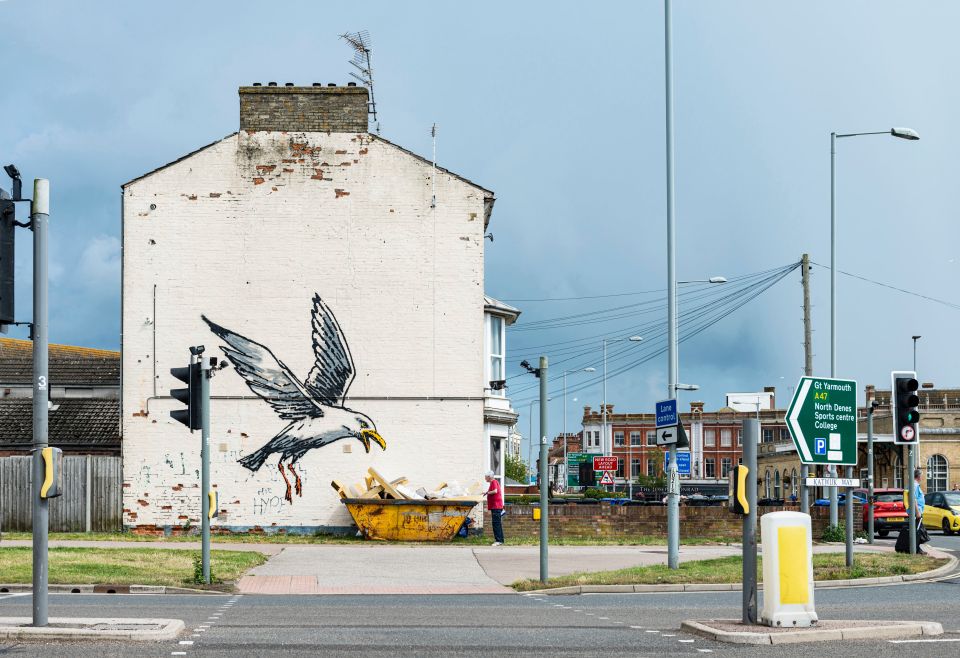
<point x="942" y="511"/>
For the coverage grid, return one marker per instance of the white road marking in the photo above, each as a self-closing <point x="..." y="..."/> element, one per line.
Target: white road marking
<point x="684" y="640"/>
<point x="651" y="631"/>
<point x="705" y="650"/>
<point x="603" y="617"/>
<point x="178" y="653"/>
<point x="946" y="639"/>
<point x="185" y="642"/>
<point x="637" y="627"/>
<point x="665" y="635"/>
<point x="13" y="596"/>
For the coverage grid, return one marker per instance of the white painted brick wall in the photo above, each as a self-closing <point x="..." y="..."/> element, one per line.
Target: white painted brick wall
<point x="245" y="232"/>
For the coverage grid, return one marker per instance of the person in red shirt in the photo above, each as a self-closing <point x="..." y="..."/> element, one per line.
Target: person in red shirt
<point x="495" y="505"/>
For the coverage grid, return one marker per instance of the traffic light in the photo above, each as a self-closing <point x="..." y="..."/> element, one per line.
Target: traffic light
<point x="7" y="226"/>
<point x="905" y="401"/>
<point x="190" y="396"/>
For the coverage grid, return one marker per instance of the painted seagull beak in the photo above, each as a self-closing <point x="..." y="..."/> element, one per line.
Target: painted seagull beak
<point x="366" y="435"/>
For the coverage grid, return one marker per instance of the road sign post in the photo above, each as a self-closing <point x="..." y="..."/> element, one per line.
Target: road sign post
<point x="822" y="419"/>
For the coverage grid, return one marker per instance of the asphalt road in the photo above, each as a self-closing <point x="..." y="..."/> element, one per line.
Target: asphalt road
<point x="607" y="625"/>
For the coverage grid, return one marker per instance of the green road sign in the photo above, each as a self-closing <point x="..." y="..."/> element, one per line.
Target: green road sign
<point x="574" y="459"/>
<point x="822" y="420"/>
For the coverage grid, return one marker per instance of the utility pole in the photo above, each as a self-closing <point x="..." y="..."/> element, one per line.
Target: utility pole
<point x="807" y="366"/>
<point x="544" y="470"/>
<point x="39" y="219"/>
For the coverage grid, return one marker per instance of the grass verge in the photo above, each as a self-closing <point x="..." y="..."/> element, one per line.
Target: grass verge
<point x="125" y="566"/>
<point x="826" y="566"/>
<point x="473" y="540"/>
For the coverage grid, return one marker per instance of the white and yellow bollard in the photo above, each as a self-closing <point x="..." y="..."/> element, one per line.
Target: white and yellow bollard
<point x="787" y="570"/>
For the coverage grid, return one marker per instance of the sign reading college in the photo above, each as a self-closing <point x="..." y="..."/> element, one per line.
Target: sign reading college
<point x="822" y="420"/>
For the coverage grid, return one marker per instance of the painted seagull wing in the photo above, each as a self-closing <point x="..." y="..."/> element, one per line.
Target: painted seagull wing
<point x="333" y="371"/>
<point x="267" y="376"/>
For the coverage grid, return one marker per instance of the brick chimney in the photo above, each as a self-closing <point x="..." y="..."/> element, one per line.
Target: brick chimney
<point x="772" y="390"/>
<point x="329" y="109"/>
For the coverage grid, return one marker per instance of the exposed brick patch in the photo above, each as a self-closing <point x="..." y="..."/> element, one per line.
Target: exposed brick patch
<point x="258" y="181"/>
<point x="341" y="193"/>
<point x="266" y="168"/>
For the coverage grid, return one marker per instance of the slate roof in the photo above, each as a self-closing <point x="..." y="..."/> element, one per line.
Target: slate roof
<point x="81" y="423"/>
<point x="69" y="365"/>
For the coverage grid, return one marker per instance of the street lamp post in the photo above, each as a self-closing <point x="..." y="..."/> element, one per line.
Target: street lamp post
<point x="566" y="475"/>
<point x="902" y="133"/>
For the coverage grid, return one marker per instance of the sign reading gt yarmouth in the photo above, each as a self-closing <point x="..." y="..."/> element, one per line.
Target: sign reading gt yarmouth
<point x="822" y="420"/>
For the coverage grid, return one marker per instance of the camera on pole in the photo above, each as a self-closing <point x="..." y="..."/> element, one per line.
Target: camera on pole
<point x="190" y="396"/>
<point x="906" y="418"/>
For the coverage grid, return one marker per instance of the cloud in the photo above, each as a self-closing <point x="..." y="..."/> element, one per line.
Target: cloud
<point x="99" y="265"/>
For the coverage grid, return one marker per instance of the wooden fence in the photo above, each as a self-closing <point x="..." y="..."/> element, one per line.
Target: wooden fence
<point x="91" y="500"/>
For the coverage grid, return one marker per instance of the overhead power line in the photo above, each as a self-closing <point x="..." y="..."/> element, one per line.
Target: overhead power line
<point x="887" y="285"/>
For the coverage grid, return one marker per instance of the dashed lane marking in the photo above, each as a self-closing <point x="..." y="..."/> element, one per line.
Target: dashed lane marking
<point x="945" y="639"/>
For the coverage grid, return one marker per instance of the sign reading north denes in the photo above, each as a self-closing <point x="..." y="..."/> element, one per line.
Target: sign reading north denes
<point x="822" y="420"/>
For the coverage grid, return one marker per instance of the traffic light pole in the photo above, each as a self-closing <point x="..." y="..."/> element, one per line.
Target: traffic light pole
<point x="911" y="486"/>
<point x="40" y="217"/>
<point x="870" y="471"/>
<point x="205" y="467"/>
<point x="751" y="439"/>
<point x="544" y="472"/>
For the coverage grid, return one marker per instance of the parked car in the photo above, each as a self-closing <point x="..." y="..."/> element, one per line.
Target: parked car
<point x="942" y="511"/>
<point x="888" y="510"/>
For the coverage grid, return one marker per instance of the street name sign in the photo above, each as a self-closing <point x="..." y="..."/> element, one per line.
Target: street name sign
<point x="832" y="482"/>
<point x="667" y="413"/>
<point x="822" y="419"/>
<point x="606" y="463"/>
<point x="683" y="462"/>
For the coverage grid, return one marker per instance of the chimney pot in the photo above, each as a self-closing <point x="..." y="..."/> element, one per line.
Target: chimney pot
<point x="351" y="84"/>
<point x="271" y="84"/>
<point x="289" y="84"/>
<point x="331" y="84"/>
<point x="317" y="84"/>
<point x="257" y="84"/>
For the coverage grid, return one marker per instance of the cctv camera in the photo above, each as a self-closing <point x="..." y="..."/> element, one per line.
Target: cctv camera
<point x="12" y="171"/>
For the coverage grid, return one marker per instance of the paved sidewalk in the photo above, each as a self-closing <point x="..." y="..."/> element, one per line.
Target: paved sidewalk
<point x="374" y="569"/>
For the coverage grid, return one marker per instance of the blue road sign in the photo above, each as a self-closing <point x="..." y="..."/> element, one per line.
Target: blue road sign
<point x="820" y="446"/>
<point x="667" y="413"/>
<point x="683" y="462"/>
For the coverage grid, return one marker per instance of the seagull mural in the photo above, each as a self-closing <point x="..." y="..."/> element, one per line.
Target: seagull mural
<point x="314" y="408"/>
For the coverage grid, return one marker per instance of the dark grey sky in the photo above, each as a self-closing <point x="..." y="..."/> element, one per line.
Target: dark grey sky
<point x="558" y="107"/>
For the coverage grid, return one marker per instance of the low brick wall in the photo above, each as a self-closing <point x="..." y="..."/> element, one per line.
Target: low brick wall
<point x="606" y="520"/>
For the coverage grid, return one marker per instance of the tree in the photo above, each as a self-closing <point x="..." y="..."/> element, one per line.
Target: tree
<point x="516" y="469"/>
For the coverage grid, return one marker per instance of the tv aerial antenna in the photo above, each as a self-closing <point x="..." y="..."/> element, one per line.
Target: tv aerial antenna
<point x="360" y="42"/>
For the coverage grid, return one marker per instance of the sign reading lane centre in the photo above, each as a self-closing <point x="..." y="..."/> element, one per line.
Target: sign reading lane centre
<point x="822" y="420"/>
